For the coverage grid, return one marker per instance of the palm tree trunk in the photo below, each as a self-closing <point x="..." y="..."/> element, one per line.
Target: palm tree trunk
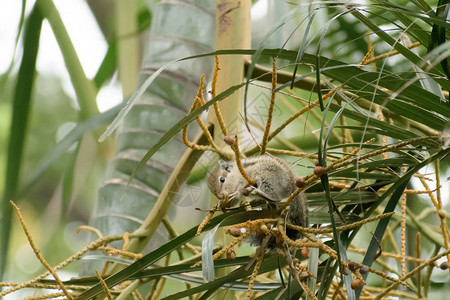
<point x="120" y="207"/>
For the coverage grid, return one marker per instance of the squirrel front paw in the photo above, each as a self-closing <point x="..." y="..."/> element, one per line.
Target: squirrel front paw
<point x="251" y="190"/>
<point x="234" y="196"/>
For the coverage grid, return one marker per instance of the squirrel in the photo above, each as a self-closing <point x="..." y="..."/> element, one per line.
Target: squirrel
<point x="274" y="181"/>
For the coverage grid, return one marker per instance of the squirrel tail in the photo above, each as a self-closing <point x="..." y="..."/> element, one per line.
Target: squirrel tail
<point x="297" y="215"/>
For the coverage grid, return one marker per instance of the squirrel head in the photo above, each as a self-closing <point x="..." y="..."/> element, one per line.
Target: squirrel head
<point x="218" y="177"/>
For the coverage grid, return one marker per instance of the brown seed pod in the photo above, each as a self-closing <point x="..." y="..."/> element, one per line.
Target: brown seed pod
<point x="344" y="271"/>
<point x="303" y="275"/>
<point x="353" y="266"/>
<point x="229" y="140"/>
<point x="444" y="265"/>
<point x="305" y="252"/>
<point x="364" y="269"/>
<point x="231" y="254"/>
<point x="319" y="171"/>
<point x="357" y="284"/>
<point x="264" y="228"/>
<point x="234" y="231"/>
<point x="300" y="182"/>
<point x="441" y="213"/>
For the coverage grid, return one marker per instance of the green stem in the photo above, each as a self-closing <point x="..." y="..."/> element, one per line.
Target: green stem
<point x="20" y="117"/>
<point x="127" y="45"/>
<point x="84" y="88"/>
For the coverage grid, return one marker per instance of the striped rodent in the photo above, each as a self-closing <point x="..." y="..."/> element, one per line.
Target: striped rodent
<point x="274" y="180"/>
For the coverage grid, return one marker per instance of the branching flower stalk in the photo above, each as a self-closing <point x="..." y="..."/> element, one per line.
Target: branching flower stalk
<point x="265" y="138"/>
<point x="315" y="103"/>
<point x="346" y="160"/>
<point x="104" y="286"/>
<point x="217" y="111"/>
<point x="39" y="255"/>
<point x="251" y="283"/>
<point x="339" y="228"/>
<point x="391" y="255"/>
<point x="440" y="211"/>
<point x="235" y="146"/>
<point x="207" y="218"/>
<point x="310" y="179"/>
<point x="411" y="273"/>
<point x="33" y="283"/>
<point x="277" y="227"/>
<point x="403" y="233"/>
<point x="229" y="246"/>
<point x="342" y="163"/>
<point x="198" y="101"/>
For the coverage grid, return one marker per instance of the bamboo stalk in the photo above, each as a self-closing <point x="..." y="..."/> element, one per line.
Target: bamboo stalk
<point x="232" y="32"/>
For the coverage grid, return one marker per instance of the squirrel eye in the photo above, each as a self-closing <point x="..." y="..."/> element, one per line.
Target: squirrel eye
<point x="222" y="179"/>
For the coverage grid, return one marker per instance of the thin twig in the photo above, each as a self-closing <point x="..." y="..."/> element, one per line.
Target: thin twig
<point x="38" y="253"/>
<point x="235" y="147"/>
<point x="403" y="233"/>
<point x="368" y="54"/>
<point x="229" y="246"/>
<point x="250" y="223"/>
<point x="199" y="101"/>
<point x="113" y="251"/>
<point x="340" y="228"/>
<point x="104" y="286"/>
<point x="126" y="241"/>
<point x="389" y="54"/>
<point x="91" y="229"/>
<point x="217" y="111"/>
<point x="310" y="244"/>
<point x="419" y="275"/>
<point x="411" y="273"/>
<point x="441" y="213"/>
<point x="92" y="246"/>
<point x="388" y="254"/>
<point x="184" y="136"/>
<point x="310" y="106"/>
<point x="296" y="154"/>
<point x="206" y="220"/>
<point x="251" y="283"/>
<point x="49" y="296"/>
<point x="308" y="290"/>
<point x="271" y="106"/>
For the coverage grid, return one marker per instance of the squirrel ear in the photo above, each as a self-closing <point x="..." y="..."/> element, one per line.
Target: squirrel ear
<point x="224" y="165"/>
